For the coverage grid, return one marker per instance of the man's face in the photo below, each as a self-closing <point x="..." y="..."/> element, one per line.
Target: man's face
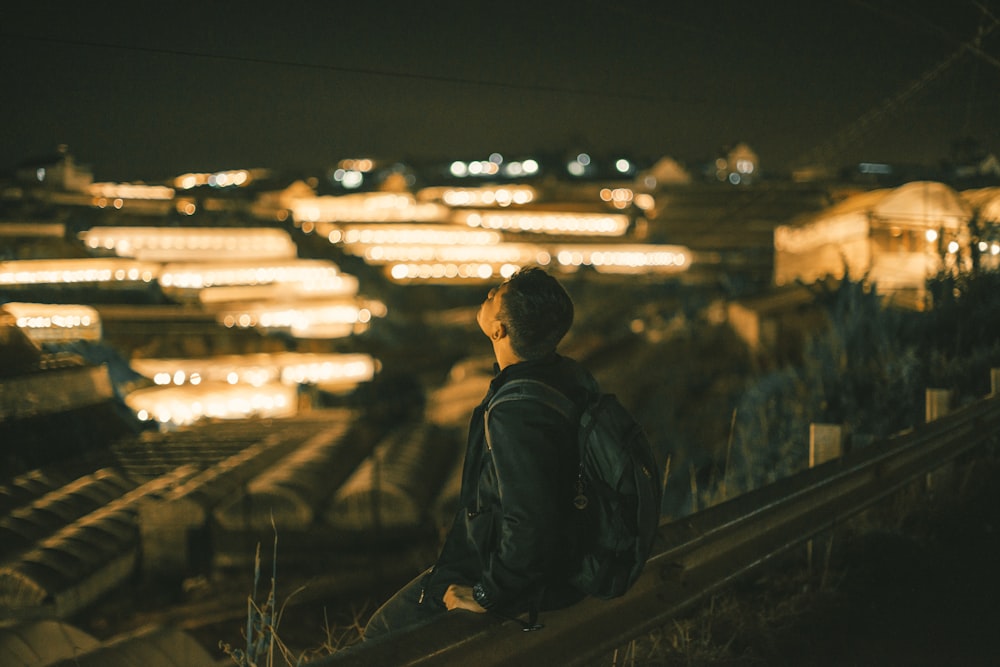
<point x="490" y="310"/>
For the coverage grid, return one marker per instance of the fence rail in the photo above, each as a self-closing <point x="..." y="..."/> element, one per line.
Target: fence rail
<point x="696" y="555"/>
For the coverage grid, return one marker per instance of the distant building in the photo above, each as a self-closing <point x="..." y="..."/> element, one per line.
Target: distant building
<point x="985" y="203"/>
<point x="55" y="172"/>
<point x="893" y="238"/>
<point x="665" y="171"/>
<point x="738" y="165"/>
<point x="988" y="167"/>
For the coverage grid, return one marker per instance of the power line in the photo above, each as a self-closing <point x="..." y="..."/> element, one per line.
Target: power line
<point x="365" y="71"/>
<point x="855" y="130"/>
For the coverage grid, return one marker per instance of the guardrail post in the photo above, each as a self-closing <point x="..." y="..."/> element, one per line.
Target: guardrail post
<point x="938" y="402"/>
<point x="994" y="381"/>
<point x="826" y="442"/>
<point x="937" y="405"/>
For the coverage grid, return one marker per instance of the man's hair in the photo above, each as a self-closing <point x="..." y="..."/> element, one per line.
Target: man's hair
<point x="536" y="311"/>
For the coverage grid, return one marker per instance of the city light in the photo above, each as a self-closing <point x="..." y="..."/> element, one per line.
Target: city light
<point x="543" y="222"/>
<point x="442" y="273"/>
<point x="220" y="179"/>
<point x="179" y="244"/>
<point x="230" y="281"/>
<point x="54" y="323"/>
<point x="365" y="207"/>
<point x="318" y="319"/>
<point x="174" y="406"/>
<point x="130" y="191"/>
<point x="98" y="270"/>
<point x="487" y="196"/>
<point x="618" y="197"/>
<point x="625" y="259"/>
<point x="362" y="235"/>
<point x="504" y="253"/>
<point x="289" y="368"/>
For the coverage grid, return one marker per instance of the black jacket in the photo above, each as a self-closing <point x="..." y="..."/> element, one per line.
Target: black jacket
<point x="510" y="537"/>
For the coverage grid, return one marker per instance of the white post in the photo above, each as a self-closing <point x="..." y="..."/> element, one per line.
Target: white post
<point x="826" y="442"/>
<point x="938" y="403"/>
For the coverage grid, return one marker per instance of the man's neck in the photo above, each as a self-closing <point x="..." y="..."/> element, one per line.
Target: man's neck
<point x="505" y="354"/>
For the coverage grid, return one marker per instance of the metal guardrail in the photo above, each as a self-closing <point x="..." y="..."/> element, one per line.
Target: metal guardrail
<point x="697" y="556"/>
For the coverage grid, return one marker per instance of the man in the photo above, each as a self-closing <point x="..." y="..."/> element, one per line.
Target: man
<point x="508" y="547"/>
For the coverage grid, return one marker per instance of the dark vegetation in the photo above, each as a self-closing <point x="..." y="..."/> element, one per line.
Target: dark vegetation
<point x="910" y="582"/>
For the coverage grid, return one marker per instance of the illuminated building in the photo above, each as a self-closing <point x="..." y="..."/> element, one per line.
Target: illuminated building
<point x="183" y="405"/>
<point x="498" y="195"/>
<point x="102" y="271"/>
<point x="454" y="263"/>
<point x="546" y="222"/>
<point x="55" y="172"/>
<point x="54" y="323"/>
<point x="365" y="207"/>
<point x="894" y="238"/>
<point x="290" y="368"/>
<point x="214" y="282"/>
<point x="440" y="272"/>
<point x="133" y="197"/>
<point x="234" y="178"/>
<point x="356" y="237"/>
<point x="187" y="244"/>
<point x="318" y="318"/>
<point x="624" y="258"/>
<point x="985" y="203"/>
<point x="130" y="191"/>
<point x="503" y="253"/>
<point x="739" y="166"/>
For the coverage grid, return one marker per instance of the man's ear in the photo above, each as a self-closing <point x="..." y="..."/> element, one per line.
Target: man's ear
<point x="499" y="330"/>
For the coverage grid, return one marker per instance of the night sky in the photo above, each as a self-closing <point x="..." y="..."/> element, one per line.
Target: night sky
<point x="150" y="90"/>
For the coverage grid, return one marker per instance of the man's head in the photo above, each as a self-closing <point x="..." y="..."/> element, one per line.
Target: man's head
<point x="532" y="309"/>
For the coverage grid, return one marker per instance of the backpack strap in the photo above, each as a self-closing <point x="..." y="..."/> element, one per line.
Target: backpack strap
<point x="546" y="394"/>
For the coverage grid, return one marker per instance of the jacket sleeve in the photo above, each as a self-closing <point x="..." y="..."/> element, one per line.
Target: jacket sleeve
<point x="529" y="457"/>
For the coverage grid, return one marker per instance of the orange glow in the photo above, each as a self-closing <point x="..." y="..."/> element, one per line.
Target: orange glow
<point x="180" y="406"/>
<point x="364" y="165"/>
<point x="501" y="195"/>
<point x="331" y="318"/>
<point x="130" y="191"/>
<point x="307" y="277"/>
<point x="444" y="272"/>
<point x="289" y="368"/>
<point x="503" y="253"/>
<point x="583" y="224"/>
<point x="92" y="270"/>
<point x="47" y="323"/>
<point x="392" y="234"/>
<point x="365" y="207"/>
<point x="625" y="258"/>
<point x="168" y="244"/>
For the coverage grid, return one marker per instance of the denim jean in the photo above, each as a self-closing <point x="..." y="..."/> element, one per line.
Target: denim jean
<point x="405" y="610"/>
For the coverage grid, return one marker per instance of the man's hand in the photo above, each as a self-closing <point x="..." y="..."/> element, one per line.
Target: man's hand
<point x="460" y="597"/>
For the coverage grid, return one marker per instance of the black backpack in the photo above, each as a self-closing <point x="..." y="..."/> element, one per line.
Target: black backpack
<point x="618" y="492"/>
